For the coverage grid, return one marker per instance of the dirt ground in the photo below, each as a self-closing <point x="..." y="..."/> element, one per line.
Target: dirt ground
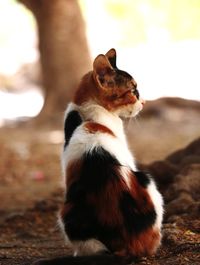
<point x="31" y="185"/>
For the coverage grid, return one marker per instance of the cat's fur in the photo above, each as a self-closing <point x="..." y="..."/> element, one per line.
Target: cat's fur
<point x="109" y="205"/>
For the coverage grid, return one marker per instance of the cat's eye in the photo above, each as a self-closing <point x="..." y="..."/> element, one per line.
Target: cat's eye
<point x="135" y="92"/>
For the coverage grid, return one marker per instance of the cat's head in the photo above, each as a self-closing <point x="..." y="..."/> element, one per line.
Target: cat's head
<point x="114" y="89"/>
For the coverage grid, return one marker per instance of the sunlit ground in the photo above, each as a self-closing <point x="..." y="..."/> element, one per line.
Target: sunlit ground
<point x="161" y="67"/>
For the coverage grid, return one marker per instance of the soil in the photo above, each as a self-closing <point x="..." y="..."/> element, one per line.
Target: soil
<point x="31" y="184"/>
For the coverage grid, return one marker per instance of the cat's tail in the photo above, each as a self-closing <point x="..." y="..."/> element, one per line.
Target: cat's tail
<point x="100" y="259"/>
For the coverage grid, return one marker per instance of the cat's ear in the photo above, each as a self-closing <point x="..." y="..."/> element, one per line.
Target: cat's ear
<point x="101" y="67"/>
<point x="112" y="56"/>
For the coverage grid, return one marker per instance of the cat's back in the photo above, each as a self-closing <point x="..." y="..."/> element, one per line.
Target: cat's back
<point x="88" y="136"/>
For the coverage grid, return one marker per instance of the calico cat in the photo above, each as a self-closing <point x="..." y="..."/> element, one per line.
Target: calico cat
<point x="112" y="212"/>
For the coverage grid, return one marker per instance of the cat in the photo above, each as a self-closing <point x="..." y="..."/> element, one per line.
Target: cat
<point x="112" y="213"/>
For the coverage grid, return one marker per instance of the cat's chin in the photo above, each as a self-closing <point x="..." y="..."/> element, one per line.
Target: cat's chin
<point x="130" y="111"/>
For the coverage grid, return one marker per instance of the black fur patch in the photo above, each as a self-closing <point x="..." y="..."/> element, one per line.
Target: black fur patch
<point x="135" y="220"/>
<point x="81" y="221"/>
<point x="121" y="76"/>
<point x="76" y="192"/>
<point x="137" y="94"/>
<point x="72" y="121"/>
<point x="113" y="61"/>
<point x="142" y="178"/>
<point x="98" y="169"/>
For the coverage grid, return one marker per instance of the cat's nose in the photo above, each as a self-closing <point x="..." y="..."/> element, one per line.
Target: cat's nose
<point x="142" y="101"/>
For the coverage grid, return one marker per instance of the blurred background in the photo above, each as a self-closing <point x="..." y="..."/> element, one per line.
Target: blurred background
<point x="45" y="48"/>
<point x="158" y="42"/>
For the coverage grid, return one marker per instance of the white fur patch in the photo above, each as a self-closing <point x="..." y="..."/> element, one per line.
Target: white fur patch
<point x="61" y="225"/>
<point x="88" y="247"/>
<point x="125" y="171"/>
<point x="130" y="110"/>
<point x="82" y="141"/>
<point x="157" y="200"/>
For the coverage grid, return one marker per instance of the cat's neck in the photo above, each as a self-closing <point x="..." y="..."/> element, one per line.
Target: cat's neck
<point x="93" y="112"/>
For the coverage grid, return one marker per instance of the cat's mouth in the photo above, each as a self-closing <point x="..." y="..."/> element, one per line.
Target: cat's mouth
<point x="137" y="107"/>
<point x="130" y="110"/>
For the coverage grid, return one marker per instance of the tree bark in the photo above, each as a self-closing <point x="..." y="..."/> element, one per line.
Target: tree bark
<point x="63" y="49"/>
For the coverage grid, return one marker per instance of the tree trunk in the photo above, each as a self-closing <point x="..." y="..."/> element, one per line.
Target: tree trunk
<point x="63" y="49"/>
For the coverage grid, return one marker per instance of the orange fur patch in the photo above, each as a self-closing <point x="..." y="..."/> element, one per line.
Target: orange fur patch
<point x="116" y="97"/>
<point x="110" y="96"/>
<point x="146" y="243"/>
<point x="86" y="90"/>
<point x="140" y="195"/>
<point x="93" y="127"/>
<point x="108" y="204"/>
<point x="143" y="244"/>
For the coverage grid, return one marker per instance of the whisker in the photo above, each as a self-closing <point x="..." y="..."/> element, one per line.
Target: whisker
<point x="134" y="122"/>
<point x="129" y="123"/>
<point x="137" y="120"/>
